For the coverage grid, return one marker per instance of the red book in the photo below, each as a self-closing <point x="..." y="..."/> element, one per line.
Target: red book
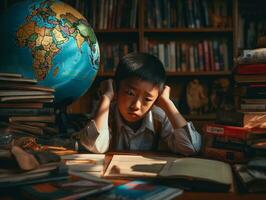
<point x="257" y="68"/>
<point x="231" y="131"/>
<point x="206" y="56"/>
<point x="223" y="130"/>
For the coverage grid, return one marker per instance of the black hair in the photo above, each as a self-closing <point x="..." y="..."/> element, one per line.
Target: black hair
<point x="143" y="66"/>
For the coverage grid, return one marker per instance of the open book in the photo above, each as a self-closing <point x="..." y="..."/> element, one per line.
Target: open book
<point x="214" y="175"/>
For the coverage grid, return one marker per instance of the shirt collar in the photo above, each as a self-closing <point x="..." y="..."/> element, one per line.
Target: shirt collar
<point x="147" y="121"/>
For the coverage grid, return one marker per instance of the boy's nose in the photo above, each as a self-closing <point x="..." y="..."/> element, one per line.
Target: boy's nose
<point x="135" y="105"/>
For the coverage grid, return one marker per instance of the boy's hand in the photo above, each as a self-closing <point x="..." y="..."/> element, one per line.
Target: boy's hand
<point x="164" y="97"/>
<point x="107" y="89"/>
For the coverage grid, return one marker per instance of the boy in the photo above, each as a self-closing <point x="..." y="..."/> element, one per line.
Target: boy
<point x="141" y="115"/>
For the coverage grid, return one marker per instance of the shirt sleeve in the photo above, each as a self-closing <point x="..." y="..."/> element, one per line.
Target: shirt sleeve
<point x="185" y="140"/>
<point x="96" y="141"/>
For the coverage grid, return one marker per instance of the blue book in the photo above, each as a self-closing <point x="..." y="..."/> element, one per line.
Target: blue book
<point x="141" y="190"/>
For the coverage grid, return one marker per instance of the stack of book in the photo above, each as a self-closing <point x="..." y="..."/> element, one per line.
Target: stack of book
<point x="252" y="176"/>
<point x="231" y="143"/>
<point x="250" y="76"/>
<point x="26" y="107"/>
<point x="244" y="130"/>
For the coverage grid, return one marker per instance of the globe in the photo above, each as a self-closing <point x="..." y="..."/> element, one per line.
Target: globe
<point x="51" y="42"/>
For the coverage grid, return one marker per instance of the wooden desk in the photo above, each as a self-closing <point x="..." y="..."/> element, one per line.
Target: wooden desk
<point x="187" y="195"/>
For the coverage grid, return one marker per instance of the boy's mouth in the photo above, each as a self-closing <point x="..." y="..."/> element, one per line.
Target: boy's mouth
<point x="134" y="115"/>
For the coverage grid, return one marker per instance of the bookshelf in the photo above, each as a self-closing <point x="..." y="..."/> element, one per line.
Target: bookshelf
<point x="151" y="28"/>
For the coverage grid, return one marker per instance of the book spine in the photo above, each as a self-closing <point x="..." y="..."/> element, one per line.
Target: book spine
<point x="225" y="155"/>
<point x="22" y="111"/>
<point x="251" y="69"/>
<point x="253" y="107"/>
<point x="230" y="143"/>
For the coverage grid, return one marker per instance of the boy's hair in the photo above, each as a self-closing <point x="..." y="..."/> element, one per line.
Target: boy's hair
<point x="143" y="66"/>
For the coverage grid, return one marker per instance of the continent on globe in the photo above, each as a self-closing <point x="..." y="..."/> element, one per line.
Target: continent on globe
<point x="51" y="42"/>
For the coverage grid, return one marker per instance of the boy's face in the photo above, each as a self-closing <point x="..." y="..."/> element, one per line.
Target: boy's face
<point x="135" y="97"/>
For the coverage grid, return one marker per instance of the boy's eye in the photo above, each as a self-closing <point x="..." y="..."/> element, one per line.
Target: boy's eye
<point x="148" y="99"/>
<point x="129" y="92"/>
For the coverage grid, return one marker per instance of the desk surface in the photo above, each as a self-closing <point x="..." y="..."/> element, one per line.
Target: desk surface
<point x="187" y="195"/>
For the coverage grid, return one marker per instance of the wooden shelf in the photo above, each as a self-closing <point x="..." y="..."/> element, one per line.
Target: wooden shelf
<point x="204" y="73"/>
<point x="117" y="30"/>
<point x="166" y="30"/>
<point x="189" y="30"/>
<point x="219" y="73"/>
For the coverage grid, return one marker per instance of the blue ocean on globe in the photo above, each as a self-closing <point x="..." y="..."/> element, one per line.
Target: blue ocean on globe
<point x="51" y="42"/>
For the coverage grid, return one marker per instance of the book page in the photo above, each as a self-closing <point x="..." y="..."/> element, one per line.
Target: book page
<point x="205" y="169"/>
<point x="135" y="166"/>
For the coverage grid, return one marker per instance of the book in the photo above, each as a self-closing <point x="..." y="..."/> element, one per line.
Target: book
<point x="141" y="190"/>
<point x="2" y="74"/>
<point x="253" y="91"/>
<point x="13" y="177"/>
<point x="7" y="93"/>
<point x="26" y="98"/>
<point x="17" y="80"/>
<point x="34" y="178"/>
<point x="234" y="132"/>
<point x="26" y="111"/>
<point x="37" y="124"/>
<point x="230" y="144"/>
<point x="20" y="86"/>
<point x="261" y="78"/>
<point x="93" y="163"/>
<point x="193" y="170"/>
<point x="254" y="101"/>
<point x="257" y="68"/>
<point x="252" y="107"/>
<point x="72" y="188"/>
<point x="251" y="180"/>
<point x="224" y="130"/>
<point x="22" y="105"/>
<point x="241" y="119"/>
<point x="226" y="155"/>
<point x="27" y="128"/>
<point x="39" y="118"/>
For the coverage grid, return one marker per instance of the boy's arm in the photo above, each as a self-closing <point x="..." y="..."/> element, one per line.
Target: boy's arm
<point x="101" y="117"/>
<point x="184" y="139"/>
<point x="165" y="103"/>
<point x="95" y="137"/>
